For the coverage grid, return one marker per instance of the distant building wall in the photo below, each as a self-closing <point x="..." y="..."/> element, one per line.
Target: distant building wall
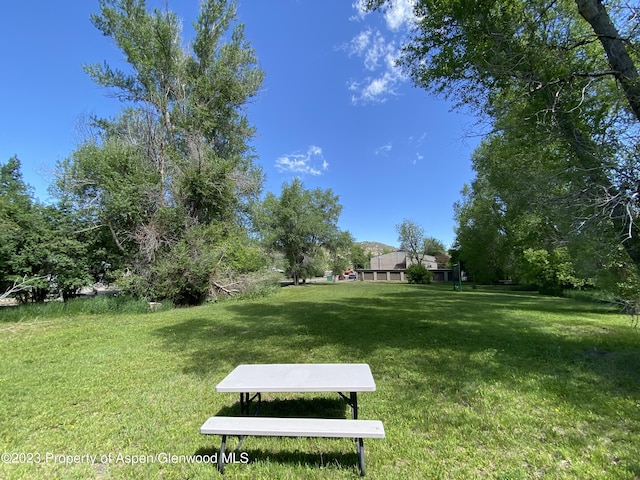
<point x="382" y="275"/>
<point x="429" y="262"/>
<point x="371" y="275"/>
<point x="389" y="261"/>
<point x="400" y="261"/>
<point x="391" y="267"/>
<point x="442" y="275"/>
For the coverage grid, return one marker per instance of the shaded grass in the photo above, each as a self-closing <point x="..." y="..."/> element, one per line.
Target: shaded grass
<point x="474" y="384"/>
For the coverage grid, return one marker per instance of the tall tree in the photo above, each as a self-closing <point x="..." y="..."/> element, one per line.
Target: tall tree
<point x="178" y="156"/>
<point x="360" y="259"/>
<point x="559" y="84"/>
<point x="41" y="251"/>
<point x="298" y="224"/>
<point x="339" y="249"/>
<point x="17" y="222"/>
<point x="414" y="241"/>
<point x="482" y="236"/>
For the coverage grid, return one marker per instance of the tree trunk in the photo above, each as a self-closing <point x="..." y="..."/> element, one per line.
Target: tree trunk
<point x="595" y="13"/>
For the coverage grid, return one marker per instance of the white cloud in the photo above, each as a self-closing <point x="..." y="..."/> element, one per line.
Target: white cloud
<point x="359" y="44"/>
<point x="400" y="14"/>
<point x="384" y="149"/>
<point x="314" y="150"/>
<point x="376" y="90"/>
<point x="418" y="141"/>
<point x="397" y="15"/>
<point x="379" y="54"/>
<point x="310" y="162"/>
<point x="361" y="10"/>
<point x="378" y="49"/>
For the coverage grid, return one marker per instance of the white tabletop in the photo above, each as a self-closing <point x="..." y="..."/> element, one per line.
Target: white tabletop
<point x="299" y="377"/>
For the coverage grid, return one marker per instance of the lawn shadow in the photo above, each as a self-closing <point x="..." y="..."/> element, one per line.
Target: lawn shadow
<point x="316" y="407"/>
<point x="324" y="459"/>
<point x="460" y="338"/>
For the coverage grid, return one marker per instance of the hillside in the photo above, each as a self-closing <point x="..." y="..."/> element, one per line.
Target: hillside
<point x="376" y="248"/>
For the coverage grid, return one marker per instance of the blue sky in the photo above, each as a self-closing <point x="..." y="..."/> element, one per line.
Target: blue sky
<point x="333" y="110"/>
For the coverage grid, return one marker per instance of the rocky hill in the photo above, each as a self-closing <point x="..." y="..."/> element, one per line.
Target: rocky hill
<point x="376" y="248"/>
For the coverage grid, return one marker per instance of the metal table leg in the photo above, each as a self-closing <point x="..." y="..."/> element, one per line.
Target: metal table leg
<point x="221" y="454"/>
<point x="245" y="409"/>
<point x="245" y="402"/>
<point x="352" y="401"/>
<point x="354" y="405"/>
<point x="360" y="451"/>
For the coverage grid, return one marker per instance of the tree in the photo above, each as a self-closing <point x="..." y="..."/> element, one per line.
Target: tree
<point x="20" y="252"/>
<point x="177" y="159"/>
<point x="339" y="249"/>
<point x="298" y="224"/>
<point x="15" y="205"/>
<point x="359" y="257"/>
<point x="558" y="83"/>
<point x="41" y="251"/>
<point x="434" y="247"/>
<point x="413" y="240"/>
<point x="482" y="237"/>
<point x="551" y="272"/>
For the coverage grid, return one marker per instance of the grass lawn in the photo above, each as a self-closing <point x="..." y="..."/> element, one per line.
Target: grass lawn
<point x="472" y="384"/>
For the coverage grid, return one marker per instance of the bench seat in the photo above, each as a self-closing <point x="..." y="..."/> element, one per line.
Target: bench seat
<point x="293" y="427"/>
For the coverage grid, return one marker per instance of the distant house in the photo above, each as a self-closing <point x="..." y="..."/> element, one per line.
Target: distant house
<point x="400" y="261"/>
<point x="392" y="267"/>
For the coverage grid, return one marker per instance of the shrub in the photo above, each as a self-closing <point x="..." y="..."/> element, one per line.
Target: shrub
<point x="418" y="274"/>
<point x="551" y="271"/>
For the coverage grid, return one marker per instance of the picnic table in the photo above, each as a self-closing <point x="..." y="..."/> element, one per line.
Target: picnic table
<point x="250" y="381"/>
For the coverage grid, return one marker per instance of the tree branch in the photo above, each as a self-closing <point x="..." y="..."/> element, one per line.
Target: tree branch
<point x="595" y="13"/>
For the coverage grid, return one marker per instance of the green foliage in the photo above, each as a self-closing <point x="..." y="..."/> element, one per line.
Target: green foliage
<point x="182" y="274"/>
<point x="298" y="224"/>
<point x="418" y="274"/>
<point x="552" y="272"/>
<point x="433" y="246"/>
<point x="621" y="279"/>
<point x="176" y="164"/>
<point x="339" y="249"/>
<point x="259" y="284"/>
<point x="559" y="166"/>
<point x="17" y="221"/>
<point x="481" y="236"/>
<point x="42" y="252"/>
<point x="195" y="267"/>
<point x="67" y="260"/>
<point x="411" y="238"/>
<point x="359" y="257"/>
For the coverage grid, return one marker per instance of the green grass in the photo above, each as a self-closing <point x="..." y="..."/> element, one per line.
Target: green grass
<point x="101" y="304"/>
<point x="472" y="384"/>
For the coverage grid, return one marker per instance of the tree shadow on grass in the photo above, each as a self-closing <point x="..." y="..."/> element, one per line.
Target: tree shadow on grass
<point x="425" y="334"/>
<point x="329" y="458"/>
<point x="317" y="407"/>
